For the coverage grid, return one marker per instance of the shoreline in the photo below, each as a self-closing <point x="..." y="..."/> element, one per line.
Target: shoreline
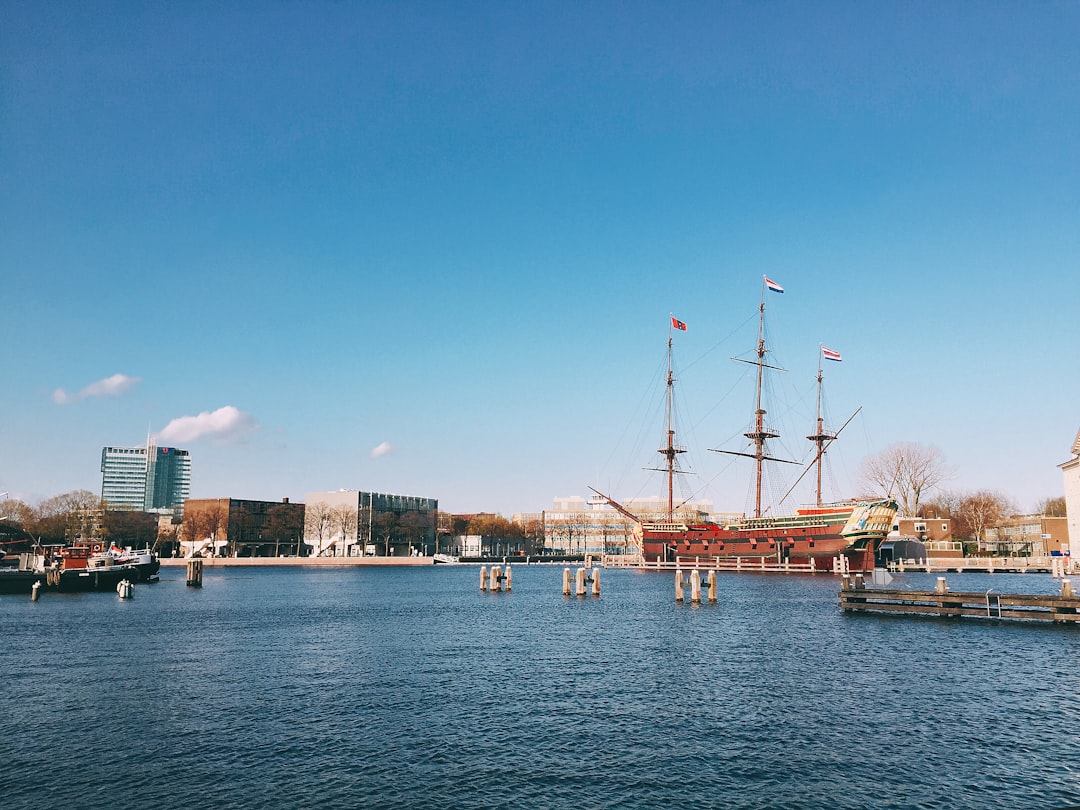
<point x="317" y="562"/>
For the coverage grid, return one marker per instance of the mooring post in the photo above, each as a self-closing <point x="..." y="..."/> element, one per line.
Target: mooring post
<point x="496" y="578"/>
<point x="678" y="585"/>
<point x="194" y="573"/>
<point x="942" y="586"/>
<point x="509" y="576"/>
<point x="596" y="582"/>
<point x="813" y="568"/>
<point x="712" y="587"/>
<point x="579" y="581"/>
<point x="1067" y="591"/>
<point x="35" y="590"/>
<point x="566" y="581"/>
<point x="483" y="578"/>
<point x="860" y="582"/>
<point x="695" y="587"/>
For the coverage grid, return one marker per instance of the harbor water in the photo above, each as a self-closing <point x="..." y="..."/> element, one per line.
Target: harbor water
<point x="408" y="687"/>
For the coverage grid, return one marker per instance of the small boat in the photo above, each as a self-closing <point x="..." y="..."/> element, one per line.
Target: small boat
<point x="446" y="559"/>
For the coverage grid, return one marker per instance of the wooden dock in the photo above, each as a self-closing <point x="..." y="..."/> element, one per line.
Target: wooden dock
<point x="855" y="597"/>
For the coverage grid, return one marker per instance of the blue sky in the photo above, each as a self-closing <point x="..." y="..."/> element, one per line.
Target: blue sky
<point x="432" y="248"/>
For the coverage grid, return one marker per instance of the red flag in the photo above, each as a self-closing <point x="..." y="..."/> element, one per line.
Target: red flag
<point x="677" y="324"/>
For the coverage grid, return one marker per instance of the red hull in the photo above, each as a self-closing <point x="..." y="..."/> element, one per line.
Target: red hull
<point x="818" y="535"/>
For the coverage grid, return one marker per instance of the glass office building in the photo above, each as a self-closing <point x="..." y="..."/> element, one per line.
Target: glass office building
<point x="151" y="478"/>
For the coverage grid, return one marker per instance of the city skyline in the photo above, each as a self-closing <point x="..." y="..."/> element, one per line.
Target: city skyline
<point x="436" y="250"/>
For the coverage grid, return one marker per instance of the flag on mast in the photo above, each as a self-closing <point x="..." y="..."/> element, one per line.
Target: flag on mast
<point x="677" y="324"/>
<point x="772" y="285"/>
<point x="830" y="354"/>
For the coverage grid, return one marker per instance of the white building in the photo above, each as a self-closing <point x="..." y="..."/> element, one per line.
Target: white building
<point x="576" y="526"/>
<point x="1071" y="471"/>
<point x="352" y="523"/>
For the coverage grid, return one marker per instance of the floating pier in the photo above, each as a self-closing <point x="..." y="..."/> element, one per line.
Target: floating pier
<point x="855" y="597"/>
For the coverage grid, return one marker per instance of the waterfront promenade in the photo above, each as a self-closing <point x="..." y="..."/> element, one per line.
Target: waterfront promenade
<point x="307" y="562"/>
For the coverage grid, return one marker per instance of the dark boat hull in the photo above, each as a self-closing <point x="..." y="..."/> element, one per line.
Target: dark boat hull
<point x="74" y="580"/>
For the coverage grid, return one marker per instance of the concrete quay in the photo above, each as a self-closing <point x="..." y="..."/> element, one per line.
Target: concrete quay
<point x="307" y="562"/>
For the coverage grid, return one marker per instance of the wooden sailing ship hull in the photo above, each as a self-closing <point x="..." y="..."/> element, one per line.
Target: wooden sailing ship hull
<point x="822" y="535"/>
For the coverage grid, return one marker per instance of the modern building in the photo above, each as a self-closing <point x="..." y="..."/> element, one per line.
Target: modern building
<point x="234" y="527"/>
<point x="150" y="478"/>
<point x="1071" y="471"/>
<point x="1027" y="536"/>
<point x="352" y="523"/>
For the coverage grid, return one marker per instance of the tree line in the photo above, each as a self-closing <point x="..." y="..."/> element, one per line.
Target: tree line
<point x="913" y="474"/>
<point x="75" y="515"/>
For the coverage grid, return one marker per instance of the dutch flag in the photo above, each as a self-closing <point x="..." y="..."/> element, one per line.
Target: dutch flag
<point x="772" y="285"/>
<point x="830" y="354"/>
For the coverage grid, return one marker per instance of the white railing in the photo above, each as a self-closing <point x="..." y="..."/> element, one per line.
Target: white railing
<point x="1066" y="565"/>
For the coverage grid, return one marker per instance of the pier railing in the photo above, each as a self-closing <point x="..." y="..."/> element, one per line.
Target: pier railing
<point x="1011" y="565"/>
<point x="747" y="564"/>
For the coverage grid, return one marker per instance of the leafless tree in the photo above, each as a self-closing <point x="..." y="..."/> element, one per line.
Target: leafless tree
<point x="343" y="519"/>
<point x="979" y="511"/>
<point x="1053" y="507"/>
<point x="317" y="523"/>
<point x="192" y="528"/>
<point x="906" y="472"/>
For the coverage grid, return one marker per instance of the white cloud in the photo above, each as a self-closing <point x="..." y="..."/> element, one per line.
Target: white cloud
<point x="112" y="386"/>
<point x="225" y="425"/>
<point x="382" y="449"/>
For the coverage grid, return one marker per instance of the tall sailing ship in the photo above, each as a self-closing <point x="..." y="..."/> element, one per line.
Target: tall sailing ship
<point x="821" y="534"/>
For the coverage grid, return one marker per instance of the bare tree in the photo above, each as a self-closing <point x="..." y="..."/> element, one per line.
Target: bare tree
<point x="905" y="471"/>
<point x="1053" y="507"/>
<point x="344" y="518"/>
<point x="192" y="528"/>
<point x="317" y="523"/>
<point x="415" y="527"/>
<point x="386" y="526"/>
<point x="65" y="517"/>
<point x="981" y="510"/>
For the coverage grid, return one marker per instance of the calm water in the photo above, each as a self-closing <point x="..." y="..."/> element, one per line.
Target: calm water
<point x="410" y="688"/>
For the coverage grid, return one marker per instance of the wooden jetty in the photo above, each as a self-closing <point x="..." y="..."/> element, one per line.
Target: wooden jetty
<point x="855" y="597"/>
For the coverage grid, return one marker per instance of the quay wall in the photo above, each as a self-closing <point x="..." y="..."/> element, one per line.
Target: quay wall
<point x="316" y="562"/>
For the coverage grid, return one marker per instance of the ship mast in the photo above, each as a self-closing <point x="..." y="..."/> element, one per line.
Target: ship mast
<point x="820" y="438"/>
<point x="760" y="434"/>
<point x="670" y="452"/>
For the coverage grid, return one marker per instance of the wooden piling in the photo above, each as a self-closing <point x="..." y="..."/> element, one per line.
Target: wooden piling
<point x="580" y="582"/>
<point x="35" y="591"/>
<point x="596" y="582"/>
<point x="194" y="572"/>
<point x="712" y="587"/>
<point x="695" y="587"/>
<point x="496" y="578"/>
<point x="509" y="578"/>
<point x="566" y="581"/>
<point x="678" y="585"/>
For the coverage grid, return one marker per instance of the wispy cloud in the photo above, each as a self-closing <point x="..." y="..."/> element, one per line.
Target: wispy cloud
<point x="112" y="386"/>
<point x="225" y="425"/>
<point x="382" y="449"/>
